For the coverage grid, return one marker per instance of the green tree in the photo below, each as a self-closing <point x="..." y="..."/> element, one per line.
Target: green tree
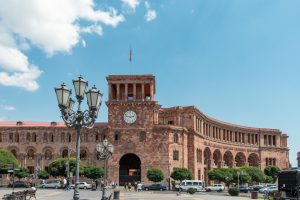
<point x="181" y="174"/>
<point x="22" y="173"/>
<point x="272" y="171"/>
<point x="58" y="167"/>
<point x="155" y="175"/>
<point x="255" y="173"/>
<point x="244" y="177"/>
<point x="43" y="175"/>
<point x="268" y="179"/>
<point x="93" y="172"/>
<point x="7" y="160"/>
<point x="222" y="175"/>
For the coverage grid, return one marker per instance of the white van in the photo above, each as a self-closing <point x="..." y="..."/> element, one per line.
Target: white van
<point x="197" y="184"/>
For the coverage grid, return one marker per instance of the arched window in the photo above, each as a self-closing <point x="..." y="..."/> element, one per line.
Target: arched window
<point x="48" y="155"/>
<point x="14" y="152"/>
<point x="0" y="137"/>
<point x="97" y="137"/>
<point x="30" y="154"/>
<point x="65" y="153"/>
<point x="28" y="137"/>
<point x="33" y="137"/>
<point x="117" y="135"/>
<point x="51" y="137"/>
<point x="17" y="137"/>
<point x="199" y="155"/>
<point x="83" y="155"/>
<point x="69" y="137"/>
<point x="45" y="137"/>
<point x="175" y="138"/>
<point x="11" y="137"/>
<point x="143" y="136"/>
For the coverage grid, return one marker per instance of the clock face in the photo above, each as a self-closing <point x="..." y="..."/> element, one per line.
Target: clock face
<point x="130" y="117"/>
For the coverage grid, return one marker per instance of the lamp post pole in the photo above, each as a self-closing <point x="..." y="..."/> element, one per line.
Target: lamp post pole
<point x="68" y="161"/>
<point x="105" y="150"/>
<point x="78" y="119"/>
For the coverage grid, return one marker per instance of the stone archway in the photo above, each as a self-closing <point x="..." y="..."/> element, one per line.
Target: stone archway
<point x="64" y="153"/>
<point x="217" y="157"/>
<point x="130" y="169"/>
<point x="228" y="159"/>
<point x="253" y="160"/>
<point x="207" y="162"/>
<point x="207" y="157"/>
<point x="240" y="159"/>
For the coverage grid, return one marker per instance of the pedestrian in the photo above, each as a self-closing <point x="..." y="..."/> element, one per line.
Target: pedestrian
<point x="139" y="187"/>
<point x="64" y="184"/>
<point x="135" y="186"/>
<point x="96" y="183"/>
<point x="68" y="184"/>
<point x="129" y="187"/>
<point x="125" y="186"/>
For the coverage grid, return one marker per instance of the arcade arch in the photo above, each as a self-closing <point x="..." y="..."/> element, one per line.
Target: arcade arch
<point x="217" y="157"/>
<point x="240" y="159"/>
<point x="253" y="160"/>
<point x="228" y="159"/>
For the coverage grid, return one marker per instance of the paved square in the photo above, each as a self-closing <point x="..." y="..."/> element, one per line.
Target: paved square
<point x="56" y="194"/>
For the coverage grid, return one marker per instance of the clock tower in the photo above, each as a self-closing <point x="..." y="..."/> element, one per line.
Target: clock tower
<point x="131" y="103"/>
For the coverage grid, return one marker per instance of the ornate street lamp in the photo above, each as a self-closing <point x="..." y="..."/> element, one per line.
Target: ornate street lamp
<point x="105" y="150"/>
<point x="78" y="119"/>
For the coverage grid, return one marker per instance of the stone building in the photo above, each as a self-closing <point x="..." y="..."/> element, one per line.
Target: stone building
<point x="147" y="135"/>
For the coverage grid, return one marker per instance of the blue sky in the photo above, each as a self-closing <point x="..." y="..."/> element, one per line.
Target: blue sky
<point x="237" y="61"/>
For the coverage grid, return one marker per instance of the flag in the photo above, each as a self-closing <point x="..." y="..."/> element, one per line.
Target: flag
<point x="130" y="55"/>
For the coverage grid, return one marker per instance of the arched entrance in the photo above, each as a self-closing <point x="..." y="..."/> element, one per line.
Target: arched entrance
<point x="130" y="169"/>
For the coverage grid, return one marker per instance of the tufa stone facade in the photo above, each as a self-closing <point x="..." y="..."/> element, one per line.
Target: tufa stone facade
<point x="146" y="135"/>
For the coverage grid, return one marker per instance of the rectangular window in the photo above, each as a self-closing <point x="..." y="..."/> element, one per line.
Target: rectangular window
<point x="175" y="155"/>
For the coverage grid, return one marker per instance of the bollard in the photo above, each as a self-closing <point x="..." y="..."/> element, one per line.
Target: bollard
<point x="254" y="195"/>
<point x="116" y="194"/>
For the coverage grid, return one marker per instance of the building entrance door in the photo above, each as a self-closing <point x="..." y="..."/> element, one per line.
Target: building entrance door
<point x="130" y="169"/>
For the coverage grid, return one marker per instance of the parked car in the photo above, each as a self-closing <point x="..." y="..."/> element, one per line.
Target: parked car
<point x="82" y="185"/>
<point x="268" y="189"/>
<point x="19" y="184"/>
<point x="51" y="184"/>
<point x="257" y="187"/>
<point x="244" y="188"/>
<point x="155" y="186"/>
<point x="215" y="187"/>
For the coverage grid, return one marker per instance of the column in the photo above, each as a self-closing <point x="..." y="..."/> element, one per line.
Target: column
<point x="151" y="92"/>
<point x="110" y="91"/>
<point x="118" y="91"/>
<point x="201" y="126"/>
<point x="143" y="92"/>
<point x="134" y="91"/>
<point x="271" y="140"/>
<point x="126" y="91"/>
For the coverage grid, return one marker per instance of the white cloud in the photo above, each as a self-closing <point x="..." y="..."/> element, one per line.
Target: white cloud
<point x="53" y="26"/>
<point x="2" y="118"/>
<point x="130" y="4"/>
<point x="8" y="108"/>
<point x="92" y="29"/>
<point x="83" y="43"/>
<point x="151" y="14"/>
